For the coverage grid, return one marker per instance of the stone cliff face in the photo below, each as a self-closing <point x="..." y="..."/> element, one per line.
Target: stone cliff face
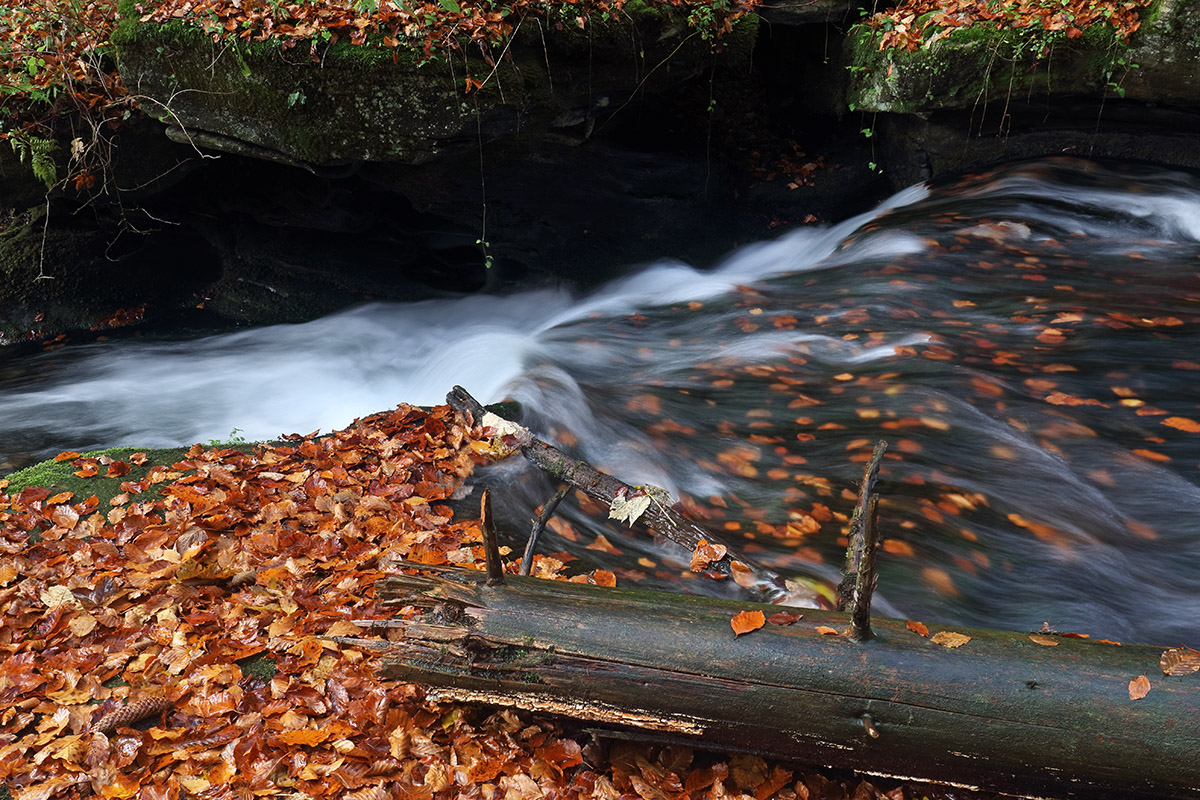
<point x="269" y="185"/>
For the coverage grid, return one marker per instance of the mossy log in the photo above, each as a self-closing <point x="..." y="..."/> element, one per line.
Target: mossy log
<point x="1004" y="711"/>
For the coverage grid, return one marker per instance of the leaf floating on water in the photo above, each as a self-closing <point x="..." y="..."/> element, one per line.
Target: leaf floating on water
<point x="950" y="639"/>
<point x="1180" y="661"/>
<point x="1044" y="641"/>
<point x="1139" y="687"/>
<point x="918" y="628"/>
<point x="1182" y="423"/>
<point x="747" y="621"/>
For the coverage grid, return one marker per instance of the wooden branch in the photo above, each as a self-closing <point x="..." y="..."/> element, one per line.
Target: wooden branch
<point x="539" y="524"/>
<point x="491" y="550"/>
<point x="858" y="540"/>
<point x="864" y="581"/>
<point x="1004" y="711"/>
<point x="660" y="518"/>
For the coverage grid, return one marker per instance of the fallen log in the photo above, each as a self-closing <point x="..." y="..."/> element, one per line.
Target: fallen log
<point x="1001" y="711"/>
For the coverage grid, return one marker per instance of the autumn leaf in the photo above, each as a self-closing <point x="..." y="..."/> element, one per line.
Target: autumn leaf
<point x="1139" y="687"/>
<point x="1044" y="641"/>
<point x="918" y="628"/>
<point x="747" y="621"/>
<point x="1180" y="661"/>
<point x="1182" y="423"/>
<point x="825" y="630"/>
<point x="628" y="509"/>
<point x="950" y="639"/>
<point x="67" y="455"/>
<point x="705" y="554"/>
<point x="784" y="618"/>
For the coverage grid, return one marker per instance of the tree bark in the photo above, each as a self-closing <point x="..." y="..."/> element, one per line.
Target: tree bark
<point x="1001" y="712"/>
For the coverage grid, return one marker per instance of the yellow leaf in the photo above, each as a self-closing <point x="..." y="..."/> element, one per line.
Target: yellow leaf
<point x="1044" y="641"/>
<point x="54" y="596"/>
<point x="950" y="639"/>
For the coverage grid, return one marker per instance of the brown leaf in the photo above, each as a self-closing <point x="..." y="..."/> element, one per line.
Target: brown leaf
<point x="1139" y="687"/>
<point x="67" y="455"/>
<point x="825" y="630"/>
<point x="950" y="639"/>
<point x="747" y="621"/>
<point x="1180" y="661"/>
<point x="784" y="618"/>
<point x="705" y="554"/>
<point x="918" y="628"/>
<point x="1044" y="641"/>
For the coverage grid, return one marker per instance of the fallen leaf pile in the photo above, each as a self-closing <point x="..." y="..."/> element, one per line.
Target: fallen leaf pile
<point x="914" y="24"/>
<point x="177" y="640"/>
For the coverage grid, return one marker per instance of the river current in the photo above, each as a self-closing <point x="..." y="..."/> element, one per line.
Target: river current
<point x="1026" y="340"/>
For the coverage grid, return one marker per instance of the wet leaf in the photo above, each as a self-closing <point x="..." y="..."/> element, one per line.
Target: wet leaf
<point x="950" y="639"/>
<point x="1180" y="661"/>
<point x="825" y="630"/>
<point x="705" y="554"/>
<point x="784" y="618"/>
<point x="1139" y="687"/>
<point x="747" y="621"/>
<point x="1044" y="641"/>
<point x="918" y="628"/>
<point x="1182" y="423"/>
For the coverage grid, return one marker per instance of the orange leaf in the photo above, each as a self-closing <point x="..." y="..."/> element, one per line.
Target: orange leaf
<point x="1139" y="687"/>
<point x="67" y="455"/>
<point x="784" y="618"/>
<point x="604" y="578"/>
<point x="950" y="639"/>
<point x="305" y="736"/>
<point x="705" y="554"/>
<point x="825" y="630"/>
<point x="61" y="497"/>
<point x="1044" y="641"/>
<point x="747" y="621"/>
<point x="918" y="628"/>
<point x="1182" y="423"/>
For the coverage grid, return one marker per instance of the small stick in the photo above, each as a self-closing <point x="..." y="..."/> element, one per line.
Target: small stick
<point x="858" y="522"/>
<point x="539" y="525"/>
<point x="491" y="551"/>
<point x="864" y="581"/>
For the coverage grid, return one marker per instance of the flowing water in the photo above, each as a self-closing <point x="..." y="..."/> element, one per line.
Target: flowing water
<point x="1027" y="341"/>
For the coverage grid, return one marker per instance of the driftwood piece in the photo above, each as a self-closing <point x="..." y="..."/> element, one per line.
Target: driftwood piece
<point x="1003" y="711"/>
<point x="858" y="574"/>
<point x="658" y="517"/>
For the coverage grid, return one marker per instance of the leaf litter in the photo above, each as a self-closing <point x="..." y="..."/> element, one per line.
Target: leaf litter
<point x="177" y="639"/>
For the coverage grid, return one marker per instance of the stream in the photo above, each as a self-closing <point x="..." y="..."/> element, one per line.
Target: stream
<point x="1026" y="340"/>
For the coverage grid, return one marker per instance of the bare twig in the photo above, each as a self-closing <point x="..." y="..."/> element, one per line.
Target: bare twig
<point x="539" y="524"/>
